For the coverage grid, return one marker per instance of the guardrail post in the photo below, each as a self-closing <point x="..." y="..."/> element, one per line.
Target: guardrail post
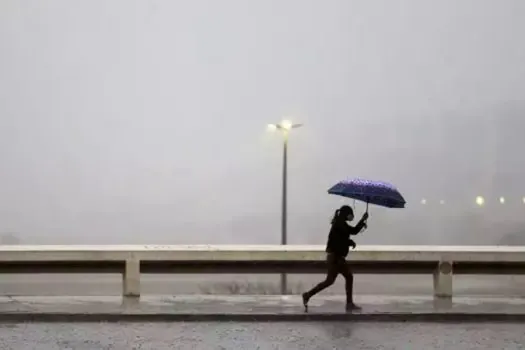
<point x="131" y="279"/>
<point x="443" y="280"/>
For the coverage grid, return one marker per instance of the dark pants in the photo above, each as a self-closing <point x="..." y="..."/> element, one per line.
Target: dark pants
<point x="336" y="265"/>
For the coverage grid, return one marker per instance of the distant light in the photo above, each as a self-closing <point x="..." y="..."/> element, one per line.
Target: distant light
<point x="480" y="200"/>
<point x="523" y="199"/>
<point x="424" y="201"/>
<point x="502" y="200"/>
<point x="442" y="201"/>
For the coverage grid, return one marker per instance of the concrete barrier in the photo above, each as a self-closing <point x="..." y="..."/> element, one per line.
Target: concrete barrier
<point x="131" y="260"/>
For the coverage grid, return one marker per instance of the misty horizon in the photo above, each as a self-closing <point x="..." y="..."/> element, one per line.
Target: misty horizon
<point x="145" y="122"/>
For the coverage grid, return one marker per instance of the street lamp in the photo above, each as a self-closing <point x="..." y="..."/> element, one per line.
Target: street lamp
<point x="285" y="127"/>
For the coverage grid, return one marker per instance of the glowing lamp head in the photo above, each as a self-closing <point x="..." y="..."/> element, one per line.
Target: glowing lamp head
<point x="286" y="125"/>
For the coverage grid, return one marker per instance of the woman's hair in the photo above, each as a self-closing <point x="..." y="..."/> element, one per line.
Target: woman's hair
<point x="342" y="213"/>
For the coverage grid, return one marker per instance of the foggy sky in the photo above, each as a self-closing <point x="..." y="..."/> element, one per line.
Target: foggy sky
<point x="145" y="121"/>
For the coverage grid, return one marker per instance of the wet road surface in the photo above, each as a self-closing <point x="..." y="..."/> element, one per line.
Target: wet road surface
<point x="262" y="336"/>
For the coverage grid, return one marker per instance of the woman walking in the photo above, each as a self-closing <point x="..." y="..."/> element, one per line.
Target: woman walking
<point x="337" y="248"/>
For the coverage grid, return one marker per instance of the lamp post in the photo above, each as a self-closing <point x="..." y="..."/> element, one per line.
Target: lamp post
<point x="284" y="126"/>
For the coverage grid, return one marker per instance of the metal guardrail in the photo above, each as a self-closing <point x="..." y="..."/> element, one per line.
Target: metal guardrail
<point x="131" y="260"/>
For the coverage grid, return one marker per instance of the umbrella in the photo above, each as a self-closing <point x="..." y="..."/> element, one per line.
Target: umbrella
<point x="374" y="192"/>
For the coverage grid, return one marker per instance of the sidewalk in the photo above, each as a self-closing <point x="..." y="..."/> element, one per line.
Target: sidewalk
<point x="240" y="308"/>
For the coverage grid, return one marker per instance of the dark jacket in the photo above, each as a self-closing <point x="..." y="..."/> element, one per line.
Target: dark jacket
<point x="339" y="237"/>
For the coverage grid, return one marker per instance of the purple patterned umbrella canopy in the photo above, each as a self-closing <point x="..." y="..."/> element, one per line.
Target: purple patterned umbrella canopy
<point x="374" y="192"/>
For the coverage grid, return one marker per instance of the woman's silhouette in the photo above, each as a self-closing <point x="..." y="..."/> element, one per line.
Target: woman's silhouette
<point x="337" y="249"/>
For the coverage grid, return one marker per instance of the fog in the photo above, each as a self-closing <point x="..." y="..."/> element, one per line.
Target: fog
<point x="145" y="121"/>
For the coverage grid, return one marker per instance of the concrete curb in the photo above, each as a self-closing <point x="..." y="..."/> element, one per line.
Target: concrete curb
<point x="57" y="317"/>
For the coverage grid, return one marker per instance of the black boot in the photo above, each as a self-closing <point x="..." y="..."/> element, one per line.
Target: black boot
<point x="306" y="298"/>
<point x="352" y="307"/>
